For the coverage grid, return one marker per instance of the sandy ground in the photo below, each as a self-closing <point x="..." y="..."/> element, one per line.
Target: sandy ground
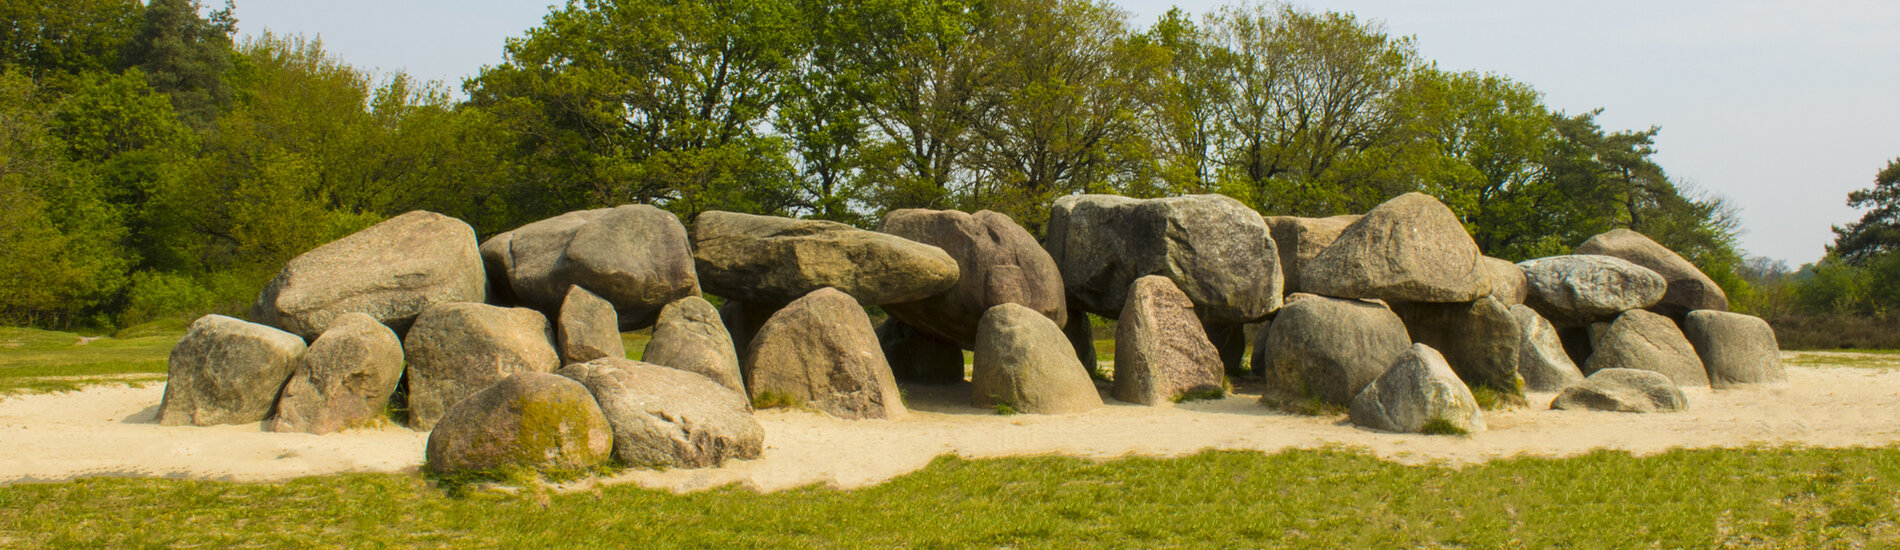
<point x="109" y="431"/>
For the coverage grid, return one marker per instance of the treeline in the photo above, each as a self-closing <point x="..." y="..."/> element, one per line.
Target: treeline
<point x="155" y="166"/>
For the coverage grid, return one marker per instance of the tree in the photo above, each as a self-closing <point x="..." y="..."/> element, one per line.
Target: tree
<point x="1878" y="231"/>
<point x="1181" y="106"/>
<point x="44" y="38"/>
<point x="923" y="78"/>
<point x="185" y="55"/>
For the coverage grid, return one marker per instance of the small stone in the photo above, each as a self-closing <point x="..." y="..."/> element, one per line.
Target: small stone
<point x="1623" y="390"/>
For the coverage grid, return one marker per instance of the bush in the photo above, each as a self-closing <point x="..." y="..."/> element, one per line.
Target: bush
<point x="1835" y="331"/>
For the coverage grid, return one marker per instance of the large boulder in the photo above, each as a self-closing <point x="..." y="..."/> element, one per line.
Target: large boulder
<point x="1024" y="361"/>
<point x="635" y="256"/>
<point x="1689" y="289"/>
<point x="691" y="337"/>
<point x="1508" y="283"/>
<point x="1646" y="341"/>
<point x="1218" y="251"/>
<point x="1299" y="240"/>
<point x="1541" y="358"/>
<point x="343" y="380"/>
<point x="919" y="357"/>
<point x="999" y="263"/>
<point x="1574" y="291"/>
<point x="227" y="371"/>
<point x="1480" y="339"/>
<point x="392" y="271"/>
<point x="664" y="417"/>
<point x="1329" y="348"/>
<point x="776" y="260"/>
<point x="1736" y="349"/>
<point x="1418" y="390"/>
<point x="587" y="328"/>
<point x="1161" y="350"/>
<point x="531" y="420"/>
<point x="1412" y="248"/>
<point x="457" y="349"/>
<point x="1623" y="390"/>
<point x="821" y="351"/>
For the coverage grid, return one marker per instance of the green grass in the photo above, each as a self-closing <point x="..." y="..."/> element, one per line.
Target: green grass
<point x="1440" y="426"/>
<point x="1866" y="359"/>
<point x="636" y="343"/>
<point x="1297" y="499"/>
<point x="39" y="361"/>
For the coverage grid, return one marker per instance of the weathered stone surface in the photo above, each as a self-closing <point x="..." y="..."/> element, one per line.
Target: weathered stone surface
<point x="588" y="328"/>
<point x="1480" y="340"/>
<point x="1623" y="390"/>
<point x="776" y="260"/>
<point x="227" y="371"/>
<point x="1161" y="350"/>
<point x="1647" y="341"/>
<point x="1541" y="358"/>
<point x="1573" y="291"/>
<point x="635" y="256"/>
<point x="1214" y="248"/>
<point x="457" y="349"/>
<point x="690" y="336"/>
<point x="1736" y="349"/>
<point x="1081" y="334"/>
<point x="1508" y="283"/>
<point x="1689" y="289"/>
<point x="918" y="357"/>
<point x="532" y="419"/>
<point x="1330" y="348"/>
<point x="1419" y="388"/>
<point x="1023" y="360"/>
<point x="1412" y="248"/>
<point x="1299" y="240"/>
<point x="999" y="263"/>
<point x="392" y="271"/>
<point x="669" y="417"/>
<point x="343" y="380"/>
<point x="822" y="351"/>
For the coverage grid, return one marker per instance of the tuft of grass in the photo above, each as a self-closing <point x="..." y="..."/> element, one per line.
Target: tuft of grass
<point x="1440" y="426"/>
<point x="1491" y="400"/>
<point x="1202" y="394"/>
<point x="1004" y="409"/>
<point x="775" y="400"/>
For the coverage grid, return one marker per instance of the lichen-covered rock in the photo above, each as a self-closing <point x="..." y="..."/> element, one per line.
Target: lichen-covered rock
<point x="344" y="379"/>
<point x="588" y="328"/>
<point x="635" y="256"/>
<point x="1623" y="390"/>
<point x="1411" y="248"/>
<point x="1024" y="361"/>
<point x="391" y="271"/>
<point x="1161" y="350"/>
<point x="1299" y="240"/>
<point x="1330" y="348"/>
<point x="1215" y="249"/>
<point x="1688" y="288"/>
<point x="1736" y="349"/>
<point x="227" y="371"/>
<point x="668" y="417"/>
<point x="690" y="336"/>
<point x="821" y="351"/>
<point x="457" y="349"/>
<point x="1642" y="340"/>
<point x="530" y="420"/>
<point x="918" y="357"/>
<point x="776" y="260"/>
<point x="1418" y="390"/>
<point x="1508" y="283"/>
<point x="1479" y="339"/>
<point x="1574" y="291"/>
<point x="1541" y="358"/>
<point x="999" y="263"/>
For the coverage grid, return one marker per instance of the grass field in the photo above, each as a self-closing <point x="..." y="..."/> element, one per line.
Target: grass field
<point x="34" y="361"/>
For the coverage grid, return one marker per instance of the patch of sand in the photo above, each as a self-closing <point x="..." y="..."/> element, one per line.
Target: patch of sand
<point x="110" y="431"/>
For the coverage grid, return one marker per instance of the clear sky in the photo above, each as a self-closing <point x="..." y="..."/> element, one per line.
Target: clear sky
<point x="1783" y="107"/>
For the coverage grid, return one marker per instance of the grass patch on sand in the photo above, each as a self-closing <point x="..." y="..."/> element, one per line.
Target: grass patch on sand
<point x="1298" y="499"/>
<point x="39" y="361"/>
<point x="1866" y="359"/>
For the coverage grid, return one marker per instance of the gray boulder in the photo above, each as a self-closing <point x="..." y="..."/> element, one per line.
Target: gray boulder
<point x="1508" y="283"/>
<point x="588" y="328"/>
<point x="919" y="357"/>
<point x="822" y="352"/>
<point x="1417" y="390"/>
<point x="1218" y="251"/>
<point x="1024" y="361"/>
<point x="1689" y="289"/>
<point x="691" y="337"/>
<point x="530" y="420"/>
<point x="343" y="380"/>
<point x="999" y="263"/>
<point x="1161" y="350"/>
<point x="1480" y="339"/>
<point x="1623" y="390"/>
<point x="392" y="271"/>
<point x="637" y="257"/>
<point x="1329" y="348"/>
<point x="663" y="417"/>
<point x="1412" y="248"/>
<point x="776" y="260"/>
<point x="1574" y="291"/>
<point x="1647" y="341"/>
<point x="1541" y="358"/>
<point x="227" y="371"/>
<point x="457" y="349"/>
<point x="1738" y="350"/>
<point x="1299" y="240"/>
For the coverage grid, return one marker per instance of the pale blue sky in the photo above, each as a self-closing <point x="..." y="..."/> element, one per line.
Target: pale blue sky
<point x="1783" y="107"/>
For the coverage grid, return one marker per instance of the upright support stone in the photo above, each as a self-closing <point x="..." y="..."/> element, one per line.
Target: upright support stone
<point x="1161" y="350"/>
